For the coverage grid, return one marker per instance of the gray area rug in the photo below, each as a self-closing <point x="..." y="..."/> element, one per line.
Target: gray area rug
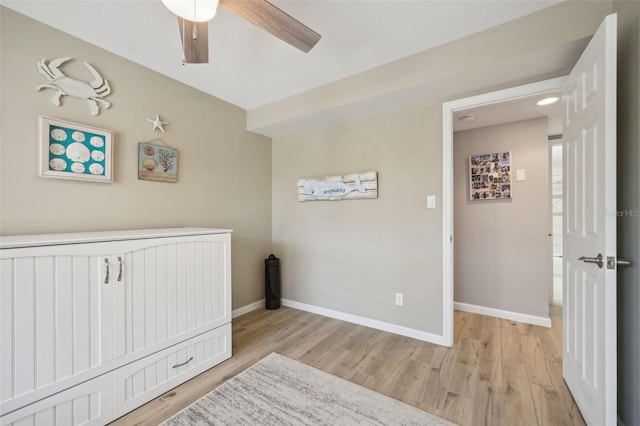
<point x="280" y="391"/>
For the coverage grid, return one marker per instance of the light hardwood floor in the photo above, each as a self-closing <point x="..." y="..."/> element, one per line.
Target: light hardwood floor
<point x="498" y="372"/>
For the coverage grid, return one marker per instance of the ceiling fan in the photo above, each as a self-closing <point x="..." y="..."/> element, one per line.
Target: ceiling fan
<point x="194" y="17"/>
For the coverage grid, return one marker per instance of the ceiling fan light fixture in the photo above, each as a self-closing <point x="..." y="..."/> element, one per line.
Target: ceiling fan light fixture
<point x="195" y="10"/>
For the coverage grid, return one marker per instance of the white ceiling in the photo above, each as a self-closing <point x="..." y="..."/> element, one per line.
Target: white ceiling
<point x="251" y="68"/>
<point x="510" y="111"/>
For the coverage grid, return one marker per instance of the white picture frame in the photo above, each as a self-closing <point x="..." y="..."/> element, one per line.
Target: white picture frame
<point x="75" y="151"/>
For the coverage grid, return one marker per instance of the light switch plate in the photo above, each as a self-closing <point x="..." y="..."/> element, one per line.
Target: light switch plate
<point x="431" y="201"/>
<point x="520" y="175"/>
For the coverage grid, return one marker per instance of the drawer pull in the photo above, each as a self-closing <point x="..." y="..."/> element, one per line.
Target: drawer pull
<point x="106" y="275"/>
<point x="119" y="268"/>
<point x="184" y="363"/>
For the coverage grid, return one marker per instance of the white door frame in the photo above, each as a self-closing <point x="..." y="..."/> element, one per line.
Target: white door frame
<point x="448" y="108"/>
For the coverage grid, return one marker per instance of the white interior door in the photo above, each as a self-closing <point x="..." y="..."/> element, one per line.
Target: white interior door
<point x="589" y="340"/>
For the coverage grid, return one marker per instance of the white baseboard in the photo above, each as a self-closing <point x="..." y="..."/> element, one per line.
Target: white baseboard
<point x="398" y="329"/>
<point x="248" y="308"/>
<point x="367" y="322"/>
<point x="498" y="313"/>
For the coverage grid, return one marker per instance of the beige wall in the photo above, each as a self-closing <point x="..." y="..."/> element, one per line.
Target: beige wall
<point x="224" y="171"/>
<point x="352" y="256"/>
<point x="502" y="251"/>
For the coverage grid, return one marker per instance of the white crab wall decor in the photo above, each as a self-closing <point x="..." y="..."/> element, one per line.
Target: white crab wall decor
<point x="93" y="92"/>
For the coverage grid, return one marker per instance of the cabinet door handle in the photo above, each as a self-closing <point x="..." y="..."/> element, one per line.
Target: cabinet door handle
<point x="119" y="268"/>
<point x="184" y="363"/>
<point x="106" y="275"/>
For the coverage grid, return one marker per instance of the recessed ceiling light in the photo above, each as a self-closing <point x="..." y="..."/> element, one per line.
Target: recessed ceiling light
<point x="467" y="118"/>
<point x="548" y="101"/>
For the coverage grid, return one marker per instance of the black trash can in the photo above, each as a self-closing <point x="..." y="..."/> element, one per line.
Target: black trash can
<point x="272" y="282"/>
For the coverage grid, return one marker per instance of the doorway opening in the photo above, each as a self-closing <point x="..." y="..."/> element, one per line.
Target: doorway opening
<point x="464" y="106"/>
<point x="589" y="353"/>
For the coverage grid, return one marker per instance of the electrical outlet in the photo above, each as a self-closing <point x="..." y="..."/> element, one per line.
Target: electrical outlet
<point x="399" y="299"/>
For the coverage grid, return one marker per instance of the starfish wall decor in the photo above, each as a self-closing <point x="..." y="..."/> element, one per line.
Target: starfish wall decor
<point x="157" y="123"/>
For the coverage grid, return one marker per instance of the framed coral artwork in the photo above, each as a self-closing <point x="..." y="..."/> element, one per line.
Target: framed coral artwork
<point x="157" y="163"/>
<point x="75" y="151"/>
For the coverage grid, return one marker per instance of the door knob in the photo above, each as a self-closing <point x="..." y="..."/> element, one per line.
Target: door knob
<point x="598" y="260"/>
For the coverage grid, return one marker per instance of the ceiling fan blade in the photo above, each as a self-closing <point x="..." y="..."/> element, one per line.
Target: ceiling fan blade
<point x="268" y="17"/>
<point x="196" y="50"/>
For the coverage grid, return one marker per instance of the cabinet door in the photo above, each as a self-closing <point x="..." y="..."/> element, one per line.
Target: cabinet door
<point x="175" y="288"/>
<point x="55" y="320"/>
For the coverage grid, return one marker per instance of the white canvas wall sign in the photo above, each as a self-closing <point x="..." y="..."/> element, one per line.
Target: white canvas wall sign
<point x="91" y="91"/>
<point x="344" y="187"/>
<point x="490" y="176"/>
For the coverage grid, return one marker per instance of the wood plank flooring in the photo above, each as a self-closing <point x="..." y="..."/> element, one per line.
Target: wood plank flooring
<point x="498" y="372"/>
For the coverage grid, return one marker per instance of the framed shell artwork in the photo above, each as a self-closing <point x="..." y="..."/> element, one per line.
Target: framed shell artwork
<point x="157" y="163"/>
<point x="75" y="151"/>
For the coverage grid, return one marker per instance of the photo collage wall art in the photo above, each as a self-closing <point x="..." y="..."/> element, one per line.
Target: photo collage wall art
<point x="490" y="176"/>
